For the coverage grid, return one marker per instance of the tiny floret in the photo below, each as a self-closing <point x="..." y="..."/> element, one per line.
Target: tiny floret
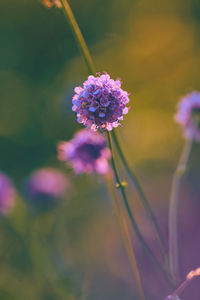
<point x="50" y="3"/>
<point x="87" y="152"/>
<point x="188" y="115"/>
<point x="193" y="273"/>
<point x="7" y="194"/>
<point x="100" y="103"/>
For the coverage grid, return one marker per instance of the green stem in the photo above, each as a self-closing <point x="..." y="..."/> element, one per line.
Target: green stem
<point x="78" y="36"/>
<point x="127" y="240"/>
<point x="121" y="186"/>
<point x="141" y="193"/>
<point x="90" y="65"/>
<point x="173" y="210"/>
<point x="43" y="269"/>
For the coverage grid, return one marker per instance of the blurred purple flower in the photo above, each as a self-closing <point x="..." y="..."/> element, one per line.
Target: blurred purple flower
<point x="172" y="297"/>
<point x="100" y="103"/>
<point x="86" y="152"/>
<point x="44" y="187"/>
<point x="188" y="115"/>
<point x="7" y="194"/>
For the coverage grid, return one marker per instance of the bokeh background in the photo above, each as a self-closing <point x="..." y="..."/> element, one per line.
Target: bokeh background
<point x="154" y="46"/>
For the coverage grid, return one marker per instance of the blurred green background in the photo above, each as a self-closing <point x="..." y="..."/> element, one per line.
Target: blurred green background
<point x="154" y="46"/>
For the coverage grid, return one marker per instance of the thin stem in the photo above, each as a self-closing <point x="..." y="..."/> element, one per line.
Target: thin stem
<point x="181" y="288"/>
<point x="90" y="65"/>
<point x="86" y="286"/>
<point x="42" y="266"/>
<point x="173" y="209"/>
<point x="190" y="276"/>
<point x="141" y="194"/>
<point x="121" y="186"/>
<point x="127" y="241"/>
<point x="78" y="36"/>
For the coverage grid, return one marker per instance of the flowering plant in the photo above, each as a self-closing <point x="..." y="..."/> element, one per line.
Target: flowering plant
<point x="56" y="221"/>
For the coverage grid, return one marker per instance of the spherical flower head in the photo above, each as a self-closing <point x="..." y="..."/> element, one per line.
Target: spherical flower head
<point x="7" y="194"/>
<point x="44" y="187"/>
<point x="188" y="115"/>
<point x="50" y="3"/>
<point x="87" y="152"/>
<point x="100" y="103"/>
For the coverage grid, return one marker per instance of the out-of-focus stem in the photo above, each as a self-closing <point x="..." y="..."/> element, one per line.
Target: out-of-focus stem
<point x="42" y="266"/>
<point x="181" y="287"/>
<point x="191" y="275"/>
<point x="126" y="239"/>
<point x="141" y="194"/>
<point x="78" y="36"/>
<point x="121" y="185"/>
<point x="173" y="210"/>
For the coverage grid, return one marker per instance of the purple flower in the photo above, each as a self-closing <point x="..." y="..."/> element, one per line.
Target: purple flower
<point x="44" y="187"/>
<point x="172" y="297"/>
<point x="7" y="194"/>
<point x="100" y="103"/>
<point x="188" y="115"/>
<point x="87" y="152"/>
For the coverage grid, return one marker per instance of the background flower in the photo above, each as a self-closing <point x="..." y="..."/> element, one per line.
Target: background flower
<point x="188" y="115"/>
<point x="44" y="187"/>
<point x="86" y="152"/>
<point x="7" y="194"/>
<point x="100" y="103"/>
<point x="172" y="297"/>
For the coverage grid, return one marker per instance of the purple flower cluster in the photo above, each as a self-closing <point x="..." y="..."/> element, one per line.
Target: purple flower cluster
<point x="87" y="152"/>
<point x="44" y="187"/>
<point x="100" y="103"/>
<point x="7" y="194"/>
<point x="188" y="115"/>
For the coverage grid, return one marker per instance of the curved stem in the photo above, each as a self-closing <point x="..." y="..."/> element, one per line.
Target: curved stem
<point x="127" y="240"/>
<point x="181" y="288"/>
<point x="78" y="36"/>
<point x="141" y="194"/>
<point x="121" y="186"/>
<point x="190" y="276"/>
<point x="90" y="65"/>
<point x="173" y="209"/>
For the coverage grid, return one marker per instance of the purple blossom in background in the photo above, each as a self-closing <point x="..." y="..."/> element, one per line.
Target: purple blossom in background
<point x="172" y="297"/>
<point x="87" y="152"/>
<point x="7" y="194"/>
<point x="100" y="103"/>
<point x="188" y="115"/>
<point x="44" y="187"/>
